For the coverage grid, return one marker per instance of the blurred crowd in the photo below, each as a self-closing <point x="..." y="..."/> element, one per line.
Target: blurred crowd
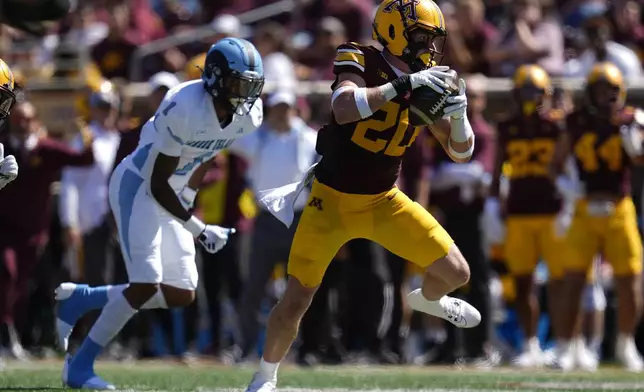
<point x="55" y="223"/>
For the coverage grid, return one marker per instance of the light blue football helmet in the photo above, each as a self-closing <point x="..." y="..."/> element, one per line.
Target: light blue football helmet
<point x="233" y="74"/>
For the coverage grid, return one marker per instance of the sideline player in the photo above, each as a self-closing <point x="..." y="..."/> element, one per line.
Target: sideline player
<point x="353" y="194"/>
<point x="195" y="121"/>
<point x="605" y="139"/>
<point x="8" y="165"/>
<point x="527" y="142"/>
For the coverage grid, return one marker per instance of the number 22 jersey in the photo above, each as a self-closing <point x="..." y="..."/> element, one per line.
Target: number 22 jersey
<point x="364" y="157"/>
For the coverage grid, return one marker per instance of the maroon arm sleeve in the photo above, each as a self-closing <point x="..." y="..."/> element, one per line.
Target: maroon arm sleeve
<point x="58" y="154"/>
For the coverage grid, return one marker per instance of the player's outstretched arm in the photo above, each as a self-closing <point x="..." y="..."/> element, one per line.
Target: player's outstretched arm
<point x="353" y="101"/>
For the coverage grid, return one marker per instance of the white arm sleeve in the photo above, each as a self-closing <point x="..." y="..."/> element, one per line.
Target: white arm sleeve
<point x="171" y="123"/>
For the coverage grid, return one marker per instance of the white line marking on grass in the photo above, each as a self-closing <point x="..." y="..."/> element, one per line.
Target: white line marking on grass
<point x="527" y="386"/>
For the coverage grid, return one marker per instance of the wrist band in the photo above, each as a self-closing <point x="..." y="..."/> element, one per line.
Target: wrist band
<point x="402" y="84"/>
<point x="194" y="226"/>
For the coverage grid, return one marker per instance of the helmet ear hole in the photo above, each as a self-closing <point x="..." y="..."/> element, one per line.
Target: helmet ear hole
<point x="392" y="32"/>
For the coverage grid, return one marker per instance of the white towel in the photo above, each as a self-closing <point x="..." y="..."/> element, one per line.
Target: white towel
<point x="281" y="201"/>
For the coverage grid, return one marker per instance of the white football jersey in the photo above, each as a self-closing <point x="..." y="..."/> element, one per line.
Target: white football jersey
<point x="187" y="126"/>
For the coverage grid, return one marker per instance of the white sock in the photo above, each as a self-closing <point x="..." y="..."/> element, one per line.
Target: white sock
<point x="156" y="302"/>
<point x="268" y="370"/>
<point x="115" y="291"/>
<point x="113" y="318"/>
<point x="533" y="344"/>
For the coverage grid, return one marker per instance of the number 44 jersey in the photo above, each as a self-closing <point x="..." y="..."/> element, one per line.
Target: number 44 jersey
<point x="604" y="166"/>
<point x="364" y="157"/>
<point x="186" y="126"/>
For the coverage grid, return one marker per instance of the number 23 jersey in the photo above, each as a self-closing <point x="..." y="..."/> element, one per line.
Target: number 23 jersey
<point x="528" y="147"/>
<point x="186" y="126"/>
<point x="364" y="157"/>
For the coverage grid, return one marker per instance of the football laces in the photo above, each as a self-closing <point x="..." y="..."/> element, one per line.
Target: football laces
<point x="440" y="103"/>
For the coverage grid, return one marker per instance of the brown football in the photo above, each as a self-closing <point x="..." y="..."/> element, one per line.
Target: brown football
<point x="426" y="105"/>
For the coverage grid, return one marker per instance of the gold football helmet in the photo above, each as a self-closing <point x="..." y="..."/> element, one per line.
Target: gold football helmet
<point x="413" y="30"/>
<point x="7" y="95"/>
<point x="605" y="88"/>
<point x="532" y="88"/>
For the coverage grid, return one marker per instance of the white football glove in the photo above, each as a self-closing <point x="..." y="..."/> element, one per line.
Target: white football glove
<point x="8" y="168"/>
<point x="491" y="223"/>
<point x="457" y="105"/>
<point x="562" y="223"/>
<point x="632" y="140"/>
<point x="214" y="237"/>
<point x="433" y="78"/>
<point x="568" y="188"/>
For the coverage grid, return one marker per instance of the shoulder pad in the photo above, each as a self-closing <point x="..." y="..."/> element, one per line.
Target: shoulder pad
<point x="350" y="54"/>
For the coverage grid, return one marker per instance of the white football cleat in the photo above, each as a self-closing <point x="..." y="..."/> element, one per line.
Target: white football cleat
<point x="531" y="357"/>
<point x="584" y="358"/>
<point x="627" y="354"/>
<point x="565" y="359"/>
<point x="260" y="384"/>
<point x="454" y="310"/>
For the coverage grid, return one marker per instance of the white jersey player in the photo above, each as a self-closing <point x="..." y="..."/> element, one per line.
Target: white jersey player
<point x="150" y="198"/>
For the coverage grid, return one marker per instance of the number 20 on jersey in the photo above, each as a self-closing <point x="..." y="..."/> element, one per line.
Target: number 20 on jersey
<point x="395" y="146"/>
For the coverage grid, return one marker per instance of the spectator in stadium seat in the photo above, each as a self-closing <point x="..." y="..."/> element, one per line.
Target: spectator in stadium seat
<point x="598" y="45"/>
<point x="626" y="22"/>
<point x="113" y="54"/>
<point x="531" y="37"/>
<point x="278" y="153"/>
<point x="24" y="223"/>
<point x="84" y="209"/>
<point x="469" y="34"/>
<point x="355" y="15"/>
<point x="222" y="26"/>
<point x="224" y="200"/>
<point x="271" y="40"/>
<point x="330" y="33"/>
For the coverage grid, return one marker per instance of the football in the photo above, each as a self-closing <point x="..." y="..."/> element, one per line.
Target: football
<point x="426" y="105"/>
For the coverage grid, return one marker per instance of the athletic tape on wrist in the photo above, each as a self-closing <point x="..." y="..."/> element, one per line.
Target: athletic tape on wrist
<point x="461" y="130"/>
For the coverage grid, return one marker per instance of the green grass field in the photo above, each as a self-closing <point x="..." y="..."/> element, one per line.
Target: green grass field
<point x="204" y="377"/>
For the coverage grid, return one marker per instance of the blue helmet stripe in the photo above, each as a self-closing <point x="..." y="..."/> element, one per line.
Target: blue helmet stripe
<point x="250" y="53"/>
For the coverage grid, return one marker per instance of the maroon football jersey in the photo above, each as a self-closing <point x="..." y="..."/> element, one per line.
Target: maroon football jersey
<point x="364" y="157"/>
<point x="603" y="165"/>
<point x="528" y="145"/>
